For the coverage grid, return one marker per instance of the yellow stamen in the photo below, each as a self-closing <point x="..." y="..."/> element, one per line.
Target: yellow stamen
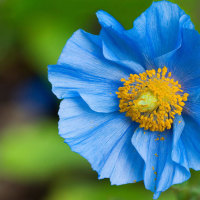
<point x="152" y="99"/>
<point x="162" y="138"/>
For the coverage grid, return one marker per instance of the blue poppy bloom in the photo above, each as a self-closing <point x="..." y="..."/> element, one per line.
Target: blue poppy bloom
<point x="131" y="102"/>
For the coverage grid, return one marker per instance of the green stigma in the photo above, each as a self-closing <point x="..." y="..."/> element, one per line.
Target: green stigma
<point x="147" y="102"/>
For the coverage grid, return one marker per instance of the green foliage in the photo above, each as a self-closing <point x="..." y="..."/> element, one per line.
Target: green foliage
<point x="36" y="152"/>
<point x="103" y="191"/>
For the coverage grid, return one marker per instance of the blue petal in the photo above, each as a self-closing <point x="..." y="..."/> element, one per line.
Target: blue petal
<point x="83" y="52"/>
<point x="184" y="62"/>
<point x="83" y="42"/>
<point x="191" y="140"/>
<point x="156" y="195"/>
<point x="117" y="46"/>
<point x="124" y="163"/>
<point x="193" y="105"/>
<point x="161" y="170"/>
<point x="99" y="93"/>
<point x="103" y="139"/>
<point x="158" y="30"/>
<point x="179" y="155"/>
<point x="106" y="20"/>
<point x="83" y="69"/>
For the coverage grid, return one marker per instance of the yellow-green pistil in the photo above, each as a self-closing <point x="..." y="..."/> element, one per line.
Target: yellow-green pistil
<point x="146" y="102"/>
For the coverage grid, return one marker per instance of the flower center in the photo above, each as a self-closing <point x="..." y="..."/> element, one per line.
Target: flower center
<point x="152" y="99"/>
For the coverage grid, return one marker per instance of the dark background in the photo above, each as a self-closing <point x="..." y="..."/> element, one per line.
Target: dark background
<point x="35" y="164"/>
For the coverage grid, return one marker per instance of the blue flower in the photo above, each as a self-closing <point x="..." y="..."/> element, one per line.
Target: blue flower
<point x="131" y="98"/>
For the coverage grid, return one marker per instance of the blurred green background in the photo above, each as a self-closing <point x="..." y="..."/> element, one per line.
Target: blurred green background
<point x="35" y="164"/>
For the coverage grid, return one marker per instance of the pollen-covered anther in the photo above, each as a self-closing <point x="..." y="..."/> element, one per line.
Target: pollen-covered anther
<point x="152" y="99"/>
